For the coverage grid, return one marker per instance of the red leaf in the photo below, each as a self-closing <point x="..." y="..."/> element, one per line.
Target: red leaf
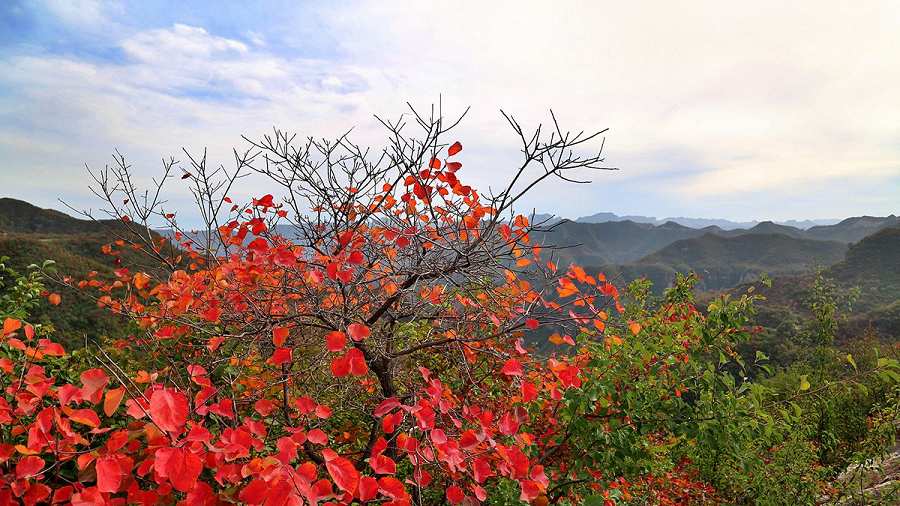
<point x="481" y="469"/>
<point x="180" y="466"/>
<point x="368" y="488"/>
<point x="323" y="411"/>
<point x="390" y="422"/>
<point x="509" y="425"/>
<point x="116" y="440"/>
<point x="282" y="356"/>
<point x="356" y="257"/>
<point x="382" y="464"/>
<point x="438" y="437"/>
<point x="335" y="341"/>
<point x="93" y="380"/>
<point x="468" y="439"/>
<point x="512" y="367"/>
<point x="358" y="331"/>
<point x="357" y="362"/>
<point x="258" y="245"/>
<point x="342" y="471"/>
<point x="455" y="148"/>
<point x="340" y="366"/>
<point x="264" y="407"/>
<point x="529" y="391"/>
<point x="386" y="406"/>
<point x="169" y="409"/>
<point x="455" y="495"/>
<point x="255" y="492"/>
<point x="316" y="436"/>
<point x="37" y="492"/>
<point x="532" y="324"/>
<point x="392" y="487"/>
<point x="280" y="335"/>
<point x="109" y="474"/>
<point x="530" y="490"/>
<point x="29" y="466"/>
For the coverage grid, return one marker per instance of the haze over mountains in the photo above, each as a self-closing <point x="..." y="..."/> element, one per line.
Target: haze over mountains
<point x="700" y="222"/>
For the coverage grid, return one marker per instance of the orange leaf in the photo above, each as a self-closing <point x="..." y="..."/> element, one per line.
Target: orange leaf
<point x="11" y="325"/>
<point x="85" y="417"/>
<point x="112" y="400"/>
<point x="140" y="280"/>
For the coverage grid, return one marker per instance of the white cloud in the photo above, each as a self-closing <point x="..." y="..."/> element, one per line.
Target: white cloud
<point x="705" y="100"/>
<point x="179" y="42"/>
<point x="81" y="14"/>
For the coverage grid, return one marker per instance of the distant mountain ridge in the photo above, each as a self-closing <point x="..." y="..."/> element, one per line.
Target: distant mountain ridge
<point x="621" y="242"/>
<point x="700" y="222"/>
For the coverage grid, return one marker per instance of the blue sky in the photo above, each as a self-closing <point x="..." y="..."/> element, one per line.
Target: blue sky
<point x="738" y="111"/>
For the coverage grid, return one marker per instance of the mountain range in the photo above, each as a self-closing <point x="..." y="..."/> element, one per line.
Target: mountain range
<point x="618" y="242"/>
<point x="699" y="222"/>
<point x="866" y="247"/>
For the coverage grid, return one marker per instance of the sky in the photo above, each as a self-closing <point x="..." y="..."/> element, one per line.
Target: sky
<point x="750" y="110"/>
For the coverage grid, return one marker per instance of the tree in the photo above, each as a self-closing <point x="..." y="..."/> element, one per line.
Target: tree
<point x="361" y="337"/>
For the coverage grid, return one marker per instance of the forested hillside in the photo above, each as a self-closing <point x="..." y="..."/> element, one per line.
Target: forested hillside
<point x="29" y="235"/>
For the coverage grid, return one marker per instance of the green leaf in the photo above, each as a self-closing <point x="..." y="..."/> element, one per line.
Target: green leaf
<point x="804" y="383"/>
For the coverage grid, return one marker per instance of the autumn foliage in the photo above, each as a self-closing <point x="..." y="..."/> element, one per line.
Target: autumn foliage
<point x="366" y="338"/>
<point x="376" y="356"/>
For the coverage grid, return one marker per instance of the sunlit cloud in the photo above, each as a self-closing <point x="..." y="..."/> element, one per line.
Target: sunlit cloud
<point x="714" y="110"/>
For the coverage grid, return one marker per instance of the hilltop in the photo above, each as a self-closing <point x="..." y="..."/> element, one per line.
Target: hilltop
<point x="722" y="262"/>
<point x="18" y="216"/>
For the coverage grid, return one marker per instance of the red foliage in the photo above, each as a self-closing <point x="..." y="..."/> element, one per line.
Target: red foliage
<point x="240" y="407"/>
